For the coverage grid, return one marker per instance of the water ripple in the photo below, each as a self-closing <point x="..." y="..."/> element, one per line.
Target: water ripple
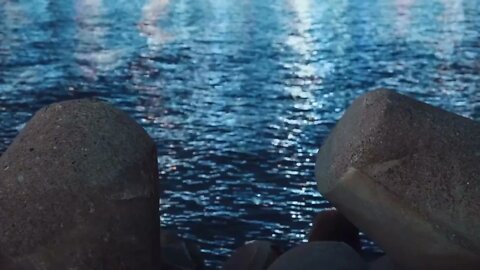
<point x="238" y="95"/>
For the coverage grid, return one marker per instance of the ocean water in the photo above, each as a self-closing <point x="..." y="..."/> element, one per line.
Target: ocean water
<point x="238" y="95"/>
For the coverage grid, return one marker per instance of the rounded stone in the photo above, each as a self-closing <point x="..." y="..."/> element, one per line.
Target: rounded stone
<point x="79" y="190"/>
<point x="320" y="256"/>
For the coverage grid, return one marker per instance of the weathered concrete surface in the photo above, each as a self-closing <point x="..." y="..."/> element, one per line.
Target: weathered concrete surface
<point x="408" y="175"/>
<point x="254" y="255"/>
<point x="331" y="225"/>
<point x="79" y="190"/>
<point x="320" y="256"/>
<point x="7" y="263"/>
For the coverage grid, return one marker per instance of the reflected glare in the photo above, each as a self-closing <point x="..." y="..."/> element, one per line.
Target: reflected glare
<point x="152" y="11"/>
<point x="237" y="95"/>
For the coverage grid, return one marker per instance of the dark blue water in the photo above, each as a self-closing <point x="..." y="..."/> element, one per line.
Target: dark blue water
<point x="239" y="94"/>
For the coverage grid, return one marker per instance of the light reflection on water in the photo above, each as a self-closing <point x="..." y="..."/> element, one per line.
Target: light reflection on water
<point x="238" y="95"/>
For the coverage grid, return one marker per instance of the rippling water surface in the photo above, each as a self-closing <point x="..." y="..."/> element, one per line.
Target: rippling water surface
<point x="238" y="95"/>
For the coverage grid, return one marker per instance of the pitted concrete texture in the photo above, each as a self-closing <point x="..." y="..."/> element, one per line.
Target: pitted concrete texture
<point x="79" y="190"/>
<point x="408" y="175"/>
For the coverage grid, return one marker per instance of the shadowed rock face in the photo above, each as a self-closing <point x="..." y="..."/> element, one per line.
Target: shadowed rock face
<point x="408" y="175"/>
<point x="255" y="255"/>
<point x="320" y="256"/>
<point x="178" y="253"/>
<point x="384" y="263"/>
<point x="79" y="190"/>
<point x="331" y="225"/>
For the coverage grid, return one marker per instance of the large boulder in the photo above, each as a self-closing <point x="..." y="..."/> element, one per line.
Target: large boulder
<point x="331" y="225"/>
<point x="79" y="190"/>
<point x="408" y="175"/>
<point x="320" y="256"/>
<point x="254" y="255"/>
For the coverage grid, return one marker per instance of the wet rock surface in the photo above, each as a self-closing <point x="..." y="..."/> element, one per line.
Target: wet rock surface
<point x="407" y="174"/>
<point x="79" y="190"/>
